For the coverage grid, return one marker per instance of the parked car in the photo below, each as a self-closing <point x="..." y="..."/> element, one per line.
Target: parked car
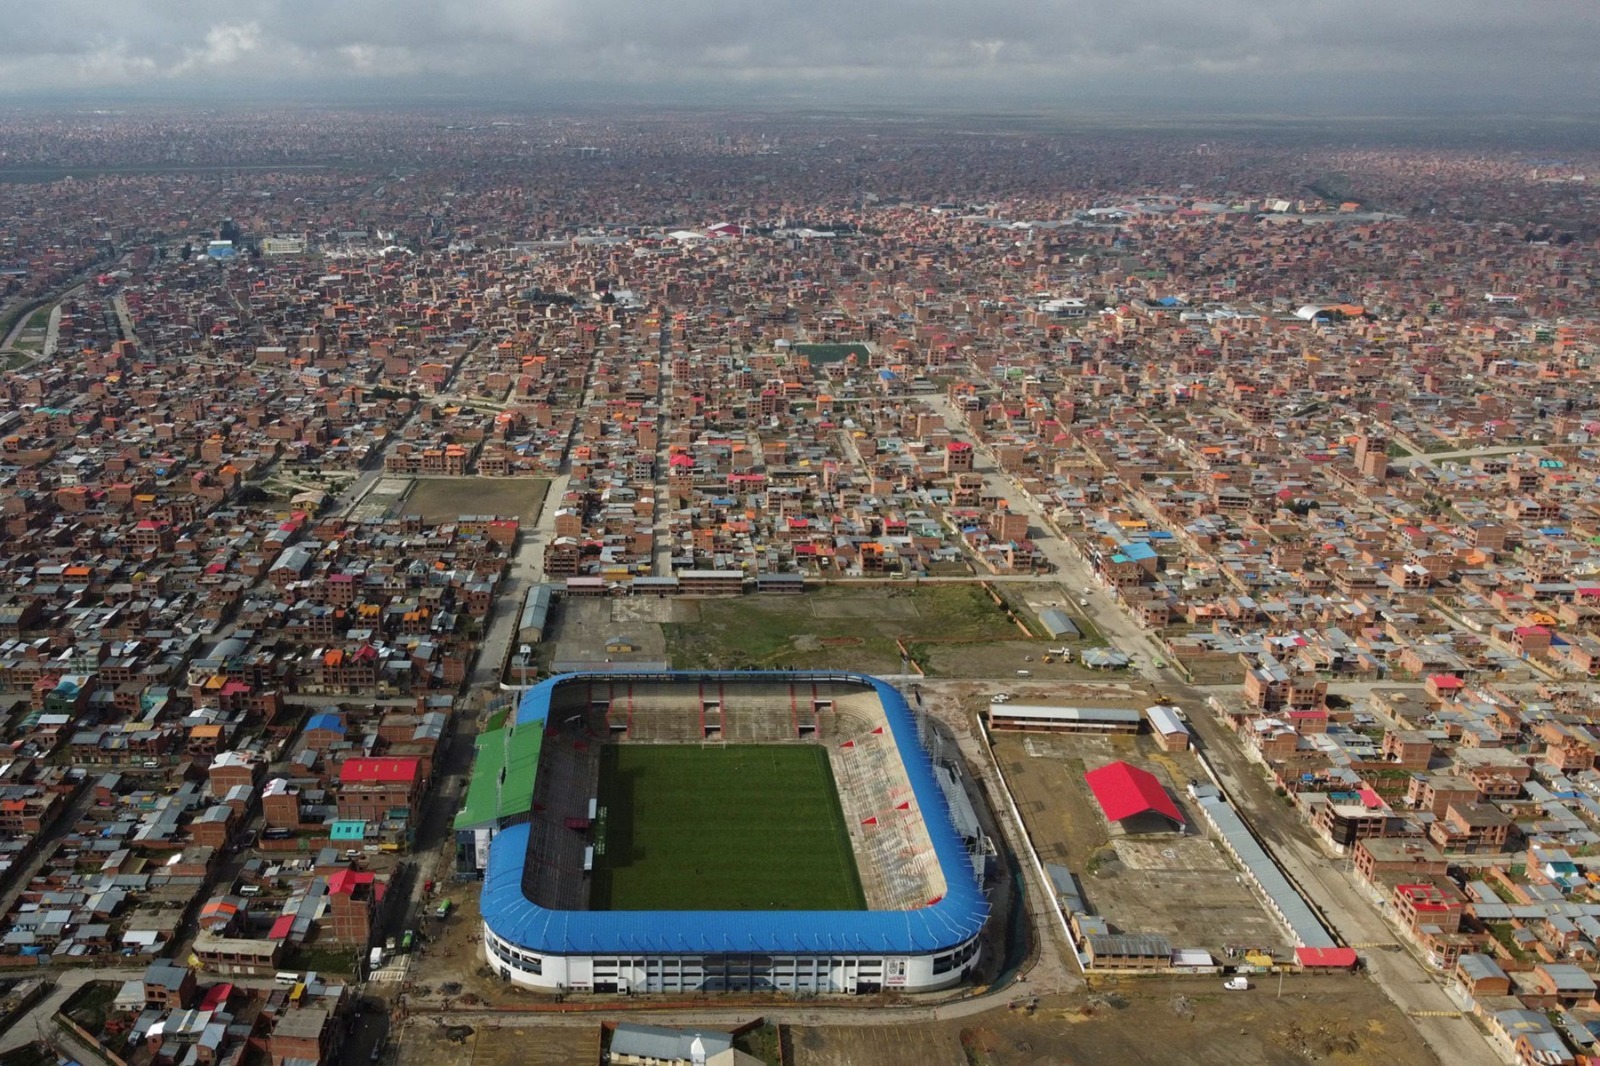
<point x="1236" y="984"/>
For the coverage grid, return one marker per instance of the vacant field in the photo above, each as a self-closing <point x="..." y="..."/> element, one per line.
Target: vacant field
<point x="1003" y="658"/>
<point x="831" y="353"/>
<point x="429" y="1041"/>
<point x="838" y="627"/>
<point x="741" y="827"/>
<point x="441" y="499"/>
<point x="1212" y="672"/>
<point x="886" y="1045"/>
<point x="1343" y="1020"/>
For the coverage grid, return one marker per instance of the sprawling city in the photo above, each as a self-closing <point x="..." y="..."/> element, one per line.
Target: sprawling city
<point x="497" y="585"/>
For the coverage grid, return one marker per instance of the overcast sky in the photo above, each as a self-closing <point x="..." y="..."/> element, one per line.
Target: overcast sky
<point x="1241" y="55"/>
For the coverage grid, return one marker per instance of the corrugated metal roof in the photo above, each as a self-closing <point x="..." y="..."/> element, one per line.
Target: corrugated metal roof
<point x="1056" y="622"/>
<point x="1066" y="886"/>
<point x="666" y="1045"/>
<point x="1104" y="658"/>
<point x="1064" y="714"/>
<point x="1296" y="913"/>
<point x="1165" y="720"/>
<point x="954" y="918"/>
<point x="536" y="608"/>
<point x="1140" y="945"/>
<point x="1477" y="967"/>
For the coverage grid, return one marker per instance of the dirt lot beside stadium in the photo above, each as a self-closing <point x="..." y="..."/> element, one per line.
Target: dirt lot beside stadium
<point x="1342" y="1020"/>
<point x="429" y="1041"/>
<point x="1180" y="886"/>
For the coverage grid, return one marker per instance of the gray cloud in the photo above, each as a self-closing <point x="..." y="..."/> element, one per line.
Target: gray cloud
<point x="1257" y="54"/>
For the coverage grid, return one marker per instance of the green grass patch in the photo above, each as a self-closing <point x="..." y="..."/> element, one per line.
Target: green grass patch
<point x="91" y="1004"/>
<point x="1503" y="932"/>
<point x="337" y="959"/>
<point x="762" y="1043"/>
<point x="831" y="353"/>
<point x="754" y="632"/>
<point x="742" y="827"/>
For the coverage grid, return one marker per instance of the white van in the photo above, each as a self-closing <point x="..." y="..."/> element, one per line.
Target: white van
<point x="286" y="978"/>
<point x="1024" y="673"/>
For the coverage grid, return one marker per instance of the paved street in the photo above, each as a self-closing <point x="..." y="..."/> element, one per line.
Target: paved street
<point x="1330" y="886"/>
<point x="1327" y="883"/>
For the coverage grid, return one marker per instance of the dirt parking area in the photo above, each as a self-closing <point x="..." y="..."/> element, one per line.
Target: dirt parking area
<point x="1140" y="875"/>
<point x="584" y="625"/>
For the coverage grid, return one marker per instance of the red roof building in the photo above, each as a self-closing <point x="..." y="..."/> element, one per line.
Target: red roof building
<point x="1326" y="958"/>
<point x="380" y="771"/>
<point x="1124" y="791"/>
<point x="382" y="791"/>
<point x="346" y="882"/>
<point x="352" y="902"/>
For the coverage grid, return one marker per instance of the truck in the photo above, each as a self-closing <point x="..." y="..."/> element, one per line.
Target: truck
<point x="443" y="910"/>
<point x="374" y="959"/>
<point x="1237" y="984"/>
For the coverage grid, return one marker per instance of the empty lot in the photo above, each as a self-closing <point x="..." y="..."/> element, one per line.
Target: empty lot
<point x="1181" y="886"/>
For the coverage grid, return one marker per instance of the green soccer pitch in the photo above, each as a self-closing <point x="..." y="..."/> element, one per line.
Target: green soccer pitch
<point x="738" y="827"/>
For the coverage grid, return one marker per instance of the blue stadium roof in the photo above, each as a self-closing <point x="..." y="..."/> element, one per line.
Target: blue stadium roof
<point x="956" y="917"/>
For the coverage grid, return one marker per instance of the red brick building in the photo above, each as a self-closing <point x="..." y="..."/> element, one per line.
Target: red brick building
<point x="380" y="790"/>
<point x="352" y="904"/>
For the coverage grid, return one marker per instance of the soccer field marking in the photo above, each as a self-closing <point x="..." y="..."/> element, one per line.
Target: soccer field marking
<point x="736" y="828"/>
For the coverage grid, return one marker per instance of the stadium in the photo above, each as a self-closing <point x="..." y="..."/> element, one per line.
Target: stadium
<point x="688" y="832"/>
